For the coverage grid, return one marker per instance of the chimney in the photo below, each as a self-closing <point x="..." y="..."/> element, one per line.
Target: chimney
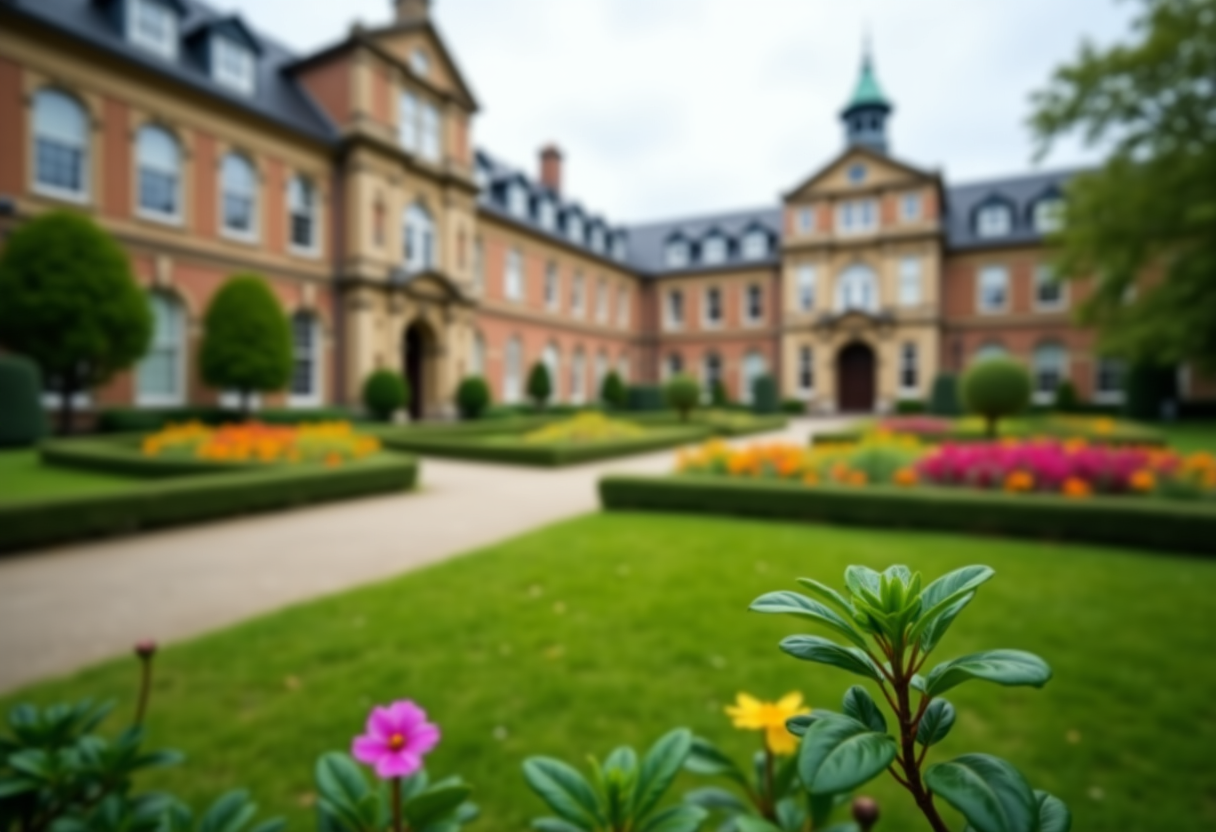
<point x="551" y="168"/>
<point x="412" y="11"/>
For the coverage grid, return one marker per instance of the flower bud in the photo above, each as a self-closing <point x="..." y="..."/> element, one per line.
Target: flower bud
<point x="145" y="648"/>
<point x="865" y="812"/>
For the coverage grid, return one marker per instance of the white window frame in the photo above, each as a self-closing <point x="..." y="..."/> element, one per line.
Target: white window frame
<point x="430" y="131"/>
<point x="1102" y="396"/>
<point x="623" y="299"/>
<point x="82" y="144"/>
<point x="179" y="347"/>
<point x="673" y="366"/>
<point x="910" y="283"/>
<point x="546" y="214"/>
<point x="990" y="350"/>
<point x="677" y="254"/>
<point x="512" y="371"/>
<point x="857" y="216"/>
<point x="255" y="222"/>
<point x="576" y="229"/>
<point x="673" y="303"/>
<point x="242" y="77"/>
<point x="713" y="250"/>
<point x="419" y="251"/>
<point x="1043" y="277"/>
<point x="806" y="369"/>
<point x="477" y="354"/>
<point x="166" y="46"/>
<point x="513" y="275"/>
<point x="420" y="62"/>
<point x="909" y="363"/>
<point x="911" y="207"/>
<point x="596" y="239"/>
<point x="753" y="365"/>
<point x="313" y="397"/>
<point x="578" y="377"/>
<point x="806" y="220"/>
<point x="1038" y="371"/>
<point x="309" y="188"/>
<point x="755" y="245"/>
<point x="857" y="290"/>
<point x="994" y="220"/>
<point x="804" y="282"/>
<point x="408" y="132"/>
<point x="517" y="200"/>
<point x="708" y="320"/>
<point x="141" y="210"/>
<point x="713" y="368"/>
<point x="578" y="296"/>
<point x="982" y="278"/>
<point x="752" y="316"/>
<point x="552" y="359"/>
<point x="1048" y="215"/>
<point x="619" y="247"/>
<point x="601" y="301"/>
<point x="553" y="287"/>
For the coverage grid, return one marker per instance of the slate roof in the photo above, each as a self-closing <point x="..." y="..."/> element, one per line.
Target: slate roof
<point x="1021" y="193"/>
<point x="276" y="97"/>
<point x="648" y="243"/>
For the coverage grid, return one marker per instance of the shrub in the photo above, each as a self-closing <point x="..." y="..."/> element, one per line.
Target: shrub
<point x="612" y="391"/>
<point x="944" y="399"/>
<point x="644" y="397"/>
<point x="1066" y="398"/>
<point x="540" y="386"/>
<point x="718" y="394"/>
<point x="22" y="421"/>
<point x="384" y="393"/>
<point x="246" y="340"/>
<point x="909" y="407"/>
<point x="1150" y="390"/>
<point x="683" y="394"/>
<point x="995" y="388"/>
<point x="473" y="397"/>
<point x="794" y="407"/>
<point x="71" y="304"/>
<point x="764" y="394"/>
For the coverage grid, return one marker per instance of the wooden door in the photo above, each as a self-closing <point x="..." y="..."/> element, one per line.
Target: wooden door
<point x="855" y="379"/>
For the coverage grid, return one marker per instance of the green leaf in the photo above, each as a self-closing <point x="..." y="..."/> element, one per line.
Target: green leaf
<point x="33" y="761"/>
<point x="557" y="825"/>
<point x="10" y="786"/>
<point x="827" y="593"/>
<point x="797" y="725"/>
<point x="838" y="753"/>
<point x="990" y="793"/>
<point x="712" y="797"/>
<point x="937" y="625"/>
<point x="434" y="804"/>
<point x="230" y="813"/>
<point x="794" y="603"/>
<point x="960" y="580"/>
<point x="936" y="723"/>
<point x="791" y="817"/>
<point x="706" y="758"/>
<point x="858" y="578"/>
<point x="564" y="789"/>
<point x="816" y="649"/>
<point x="623" y="759"/>
<point x="1004" y="667"/>
<point x="272" y="825"/>
<point x="159" y="759"/>
<point x="659" y="768"/>
<point x="751" y="823"/>
<point x="1053" y="814"/>
<point x="341" y="781"/>
<point x="861" y="706"/>
<point x="684" y="818"/>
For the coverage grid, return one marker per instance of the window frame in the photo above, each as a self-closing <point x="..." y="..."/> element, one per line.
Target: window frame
<point x="753" y="317"/>
<point x="417" y="219"/>
<point x="316" y="357"/>
<point x="805" y="369"/>
<point x="679" y="246"/>
<point x="1038" y="212"/>
<point x="601" y="301"/>
<point x="409" y="132"/>
<point x="513" y="370"/>
<point x="247" y="83"/>
<point x="578" y="296"/>
<point x="911" y="206"/>
<point x="553" y="287"/>
<point x="1043" y="277"/>
<point x="910" y="281"/>
<point x="314" y="248"/>
<point x="981" y="299"/>
<point x="513" y="276"/>
<point x="177" y="218"/>
<point x="857" y="216"/>
<point x="755" y="245"/>
<point x="909" y="366"/>
<point x="623" y="312"/>
<point x="255" y="223"/>
<point x="170" y="47"/>
<point x="673" y="302"/>
<point x="984" y="227"/>
<point x="1105" y="396"/>
<point x="83" y="196"/>
<point x="180" y="349"/>
<point x="806" y="219"/>
<point x="806" y="275"/>
<point x="430" y="133"/>
<point x="710" y="321"/>
<point x="717" y="246"/>
<point x="1039" y="395"/>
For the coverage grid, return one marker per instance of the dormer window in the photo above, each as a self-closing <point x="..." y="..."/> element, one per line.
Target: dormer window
<point x="232" y="64"/>
<point x="755" y="245"/>
<point x="547" y="215"/>
<point x="153" y="25"/>
<point x="597" y="240"/>
<point x="574" y="228"/>
<point x="677" y="254"/>
<point x="481" y="175"/>
<point x="420" y="62"/>
<point x="1049" y="215"/>
<point x="994" y="220"/>
<point x="619" y="247"/>
<point x="713" y="250"/>
<point x="517" y="200"/>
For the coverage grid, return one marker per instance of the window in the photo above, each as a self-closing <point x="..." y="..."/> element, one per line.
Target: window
<point x="857" y="289"/>
<point x="674" y="365"/>
<point x="159" y="160"/>
<point x="993" y="289"/>
<point x="547" y="215"/>
<point x="754" y="366"/>
<point x="677" y="254"/>
<point x="477" y="358"/>
<point x="597" y="240"/>
<point x="306" y="355"/>
<point x="552" y="290"/>
<point x="619" y="247"/>
<point x="675" y="309"/>
<point x="574" y="228"/>
<point x="1110" y="381"/>
<point x="378" y="222"/>
<point x="806" y="220"/>
<point x="1049" y="292"/>
<point x="513" y="276"/>
<point x="622" y="307"/>
<point x="302" y="203"/>
<point x="578" y="377"/>
<point x="622" y="368"/>
<point x="161" y="377"/>
<point x="856" y="216"/>
<point x="512" y="388"/>
<point x="232" y="65"/>
<point x="430" y="149"/>
<point x="994" y="220"/>
<point x="419" y="239"/>
<point x="152" y="25"/>
<point x="755" y="245"/>
<point x="61" y="145"/>
<point x="517" y="200"/>
<point x="713" y="306"/>
<point x="909" y="375"/>
<point x="552" y="361"/>
<point x="1050" y="370"/>
<point x="806" y="369"/>
<point x="479" y="266"/>
<point x="910" y="207"/>
<point x="601" y="370"/>
<point x="713" y="251"/>
<point x="420" y="62"/>
<point x="753" y="304"/>
<point x="806" y="288"/>
<point x="857" y="173"/>
<point x="601" y="301"/>
<point x="1048" y="215"/>
<point x="712" y="375"/>
<point x="990" y="351"/>
<point x="578" y="303"/>
<point x="238" y="186"/>
<point x="407" y="121"/>
<point x="909" y="281"/>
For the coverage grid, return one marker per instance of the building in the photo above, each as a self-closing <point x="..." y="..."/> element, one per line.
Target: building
<point x="350" y="180"/>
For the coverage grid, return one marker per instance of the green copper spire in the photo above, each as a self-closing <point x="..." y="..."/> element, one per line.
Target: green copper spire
<point x="865" y="117"/>
<point x="868" y="93"/>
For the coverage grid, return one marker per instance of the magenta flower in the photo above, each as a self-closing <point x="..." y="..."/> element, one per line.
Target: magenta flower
<point x="397" y="737"/>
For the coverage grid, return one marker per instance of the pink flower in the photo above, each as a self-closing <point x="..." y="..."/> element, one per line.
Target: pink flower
<point x="396" y="739"/>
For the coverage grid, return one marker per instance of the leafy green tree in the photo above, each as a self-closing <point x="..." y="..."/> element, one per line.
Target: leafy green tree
<point x="1145" y="222"/>
<point x="69" y="302"/>
<point x="612" y="391"/>
<point x="472" y="397"/>
<point x="540" y="386"/>
<point x="246" y="340"/>
<point x="384" y="393"/>
<point x="683" y="394"/>
<point x="995" y="388"/>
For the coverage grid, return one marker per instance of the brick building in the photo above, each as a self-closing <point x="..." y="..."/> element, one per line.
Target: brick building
<point x="349" y="179"/>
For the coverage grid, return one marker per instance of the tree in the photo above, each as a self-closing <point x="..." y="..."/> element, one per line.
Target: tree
<point x="764" y="394"/>
<point x="719" y="396"/>
<point x="995" y="388"/>
<point x="683" y="394"/>
<point x="22" y="420"/>
<point x="246" y="340"/>
<point x="384" y="393"/>
<point x="1149" y="209"/>
<point x="540" y="387"/>
<point x="473" y="397"/>
<point x="612" y="391"/>
<point x="69" y="302"/>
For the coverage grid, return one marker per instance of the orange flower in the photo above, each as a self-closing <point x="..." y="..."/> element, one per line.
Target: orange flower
<point x="1143" y="480"/>
<point x="332" y="459"/>
<point x="858" y="478"/>
<point x="1075" y="487"/>
<point x="1019" y="481"/>
<point x="810" y="478"/>
<point x="906" y="477"/>
<point x="840" y="472"/>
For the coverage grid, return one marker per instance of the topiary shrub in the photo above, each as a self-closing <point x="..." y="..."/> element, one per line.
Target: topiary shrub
<point x="683" y="394"/>
<point x="22" y="421"/>
<point x="473" y="397"/>
<point x="384" y="393"/>
<point x="645" y="397"/>
<point x="540" y="386"/>
<point x="907" y="407"/>
<point x="944" y="399"/>
<point x="719" y="396"/>
<point x="794" y="407"/>
<point x="995" y="388"/>
<point x="612" y="391"/>
<point x="1150" y="389"/>
<point x="1066" y="398"/>
<point x="764" y="394"/>
<point x="246" y="340"/>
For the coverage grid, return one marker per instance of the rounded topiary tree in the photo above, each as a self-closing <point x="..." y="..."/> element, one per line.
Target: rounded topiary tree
<point x="995" y="388"/>
<point x="683" y="394"/>
<point x="1067" y="400"/>
<point x="764" y="394"/>
<point x="69" y="302"/>
<point x="719" y="396"/>
<point x="943" y="401"/>
<point x="473" y="397"/>
<point x="246" y="340"/>
<point x="22" y="422"/>
<point x="540" y="386"/>
<point x="612" y="391"/>
<point x="384" y="393"/>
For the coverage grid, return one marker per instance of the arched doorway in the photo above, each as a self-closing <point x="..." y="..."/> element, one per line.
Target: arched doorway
<point x="417" y="347"/>
<point x="855" y="378"/>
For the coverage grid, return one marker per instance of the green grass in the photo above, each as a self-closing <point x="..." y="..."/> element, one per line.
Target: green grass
<point x="24" y="477"/>
<point x="613" y="628"/>
<point x="1191" y="436"/>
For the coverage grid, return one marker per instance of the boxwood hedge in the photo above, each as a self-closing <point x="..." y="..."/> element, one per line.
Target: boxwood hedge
<point x="1125" y="521"/>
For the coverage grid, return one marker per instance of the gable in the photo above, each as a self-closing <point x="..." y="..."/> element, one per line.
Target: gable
<point x="400" y="43"/>
<point x="880" y="171"/>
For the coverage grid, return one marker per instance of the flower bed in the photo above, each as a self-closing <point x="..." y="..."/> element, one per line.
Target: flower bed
<point x="586" y="427"/>
<point x="1102" y="430"/>
<point x="330" y="442"/>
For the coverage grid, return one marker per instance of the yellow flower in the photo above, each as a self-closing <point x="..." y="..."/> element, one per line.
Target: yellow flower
<point x="750" y="714"/>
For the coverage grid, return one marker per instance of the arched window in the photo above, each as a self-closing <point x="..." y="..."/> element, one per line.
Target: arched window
<point x="159" y="160"/>
<point x="713" y="372"/>
<point x="754" y="365"/>
<point x="477" y="356"/>
<point x="512" y="388"/>
<point x="578" y="381"/>
<point x="61" y="145"/>
<point x="302" y="205"/>
<point x="239" y="189"/>
<point x="161" y="377"/>
<point x="857" y="289"/>
<point x="1050" y="371"/>
<point x="990" y="350"/>
<point x="622" y="368"/>
<point x="419" y="239"/>
<point x="306" y="353"/>
<point x="552" y="361"/>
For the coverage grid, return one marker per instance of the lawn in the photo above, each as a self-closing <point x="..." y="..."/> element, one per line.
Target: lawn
<point x="1189" y="437"/>
<point x="613" y="628"/>
<point x="24" y="477"/>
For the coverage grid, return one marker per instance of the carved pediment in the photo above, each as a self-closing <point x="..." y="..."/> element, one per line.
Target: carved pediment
<point x="432" y="285"/>
<point x="880" y="171"/>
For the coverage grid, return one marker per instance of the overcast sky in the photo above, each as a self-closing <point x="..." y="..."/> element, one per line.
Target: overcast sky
<point x="681" y="107"/>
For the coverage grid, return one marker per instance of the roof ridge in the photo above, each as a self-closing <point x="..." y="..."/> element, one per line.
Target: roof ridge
<point x="701" y="218"/>
<point x="996" y="180"/>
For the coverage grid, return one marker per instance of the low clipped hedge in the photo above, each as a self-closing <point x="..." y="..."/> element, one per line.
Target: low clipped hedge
<point x="553" y="455"/>
<point x="753" y="424"/>
<point x="1123" y="521"/>
<point x="136" y="419"/>
<point x="191" y="499"/>
<point x="121" y="455"/>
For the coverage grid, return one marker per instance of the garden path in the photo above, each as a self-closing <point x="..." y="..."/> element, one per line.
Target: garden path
<point x="67" y="607"/>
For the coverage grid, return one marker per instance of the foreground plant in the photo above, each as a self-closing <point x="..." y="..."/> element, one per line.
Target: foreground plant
<point x="623" y="794"/>
<point x="894" y="624"/>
